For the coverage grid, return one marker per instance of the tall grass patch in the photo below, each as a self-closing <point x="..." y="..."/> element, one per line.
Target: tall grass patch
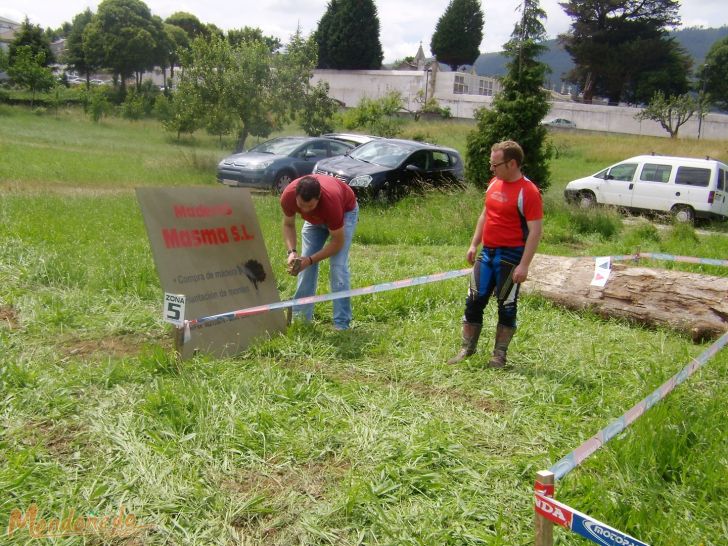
<point x="322" y="437"/>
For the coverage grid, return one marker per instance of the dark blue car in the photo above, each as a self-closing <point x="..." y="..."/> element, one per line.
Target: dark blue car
<point x="387" y="168"/>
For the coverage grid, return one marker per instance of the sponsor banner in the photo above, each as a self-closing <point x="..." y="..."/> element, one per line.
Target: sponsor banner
<point x="554" y="511"/>
<point x="583" y="525"/>
<point x="210" y="256"/>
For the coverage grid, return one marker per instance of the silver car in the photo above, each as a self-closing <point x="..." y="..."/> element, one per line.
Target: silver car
<point x="275" y="163"/>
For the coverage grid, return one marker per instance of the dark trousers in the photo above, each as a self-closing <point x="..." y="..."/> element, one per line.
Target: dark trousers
<point x="492" y="274"/>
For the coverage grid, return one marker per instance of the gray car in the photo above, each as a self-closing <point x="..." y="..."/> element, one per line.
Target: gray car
<point x="275" y="163"/>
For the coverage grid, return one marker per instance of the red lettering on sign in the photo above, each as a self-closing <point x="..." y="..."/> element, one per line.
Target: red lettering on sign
<point x="551" y="511"/>
<point x="186" y="238"/>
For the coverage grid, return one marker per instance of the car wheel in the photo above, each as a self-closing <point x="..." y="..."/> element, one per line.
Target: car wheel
<point x="683" y="214"/>
<point x="586" y="200"/>
<point x="282" y="180"/>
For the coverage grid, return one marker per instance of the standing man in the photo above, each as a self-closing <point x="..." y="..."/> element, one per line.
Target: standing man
<point x="330" y="211"/>
<point x="509" y="228"/>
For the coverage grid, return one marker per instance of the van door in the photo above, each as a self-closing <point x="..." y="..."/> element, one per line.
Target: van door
<point x="618" y="184"/>
<point x="652" y="190"/>
<point x="720" y="203"/>
<point x="691" y="187"/>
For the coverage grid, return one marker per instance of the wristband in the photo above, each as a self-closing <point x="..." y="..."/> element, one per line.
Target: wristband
<point x="291" y="251"/>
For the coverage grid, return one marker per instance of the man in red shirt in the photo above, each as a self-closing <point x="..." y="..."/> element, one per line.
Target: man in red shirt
<point x="330" y="211"/>
<point x="509" y="229"/>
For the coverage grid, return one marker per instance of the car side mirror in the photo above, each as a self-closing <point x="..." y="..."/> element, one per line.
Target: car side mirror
<point x="609" y="177"/>
<point x="309" y="154"/>
<point x="413" y="168"/>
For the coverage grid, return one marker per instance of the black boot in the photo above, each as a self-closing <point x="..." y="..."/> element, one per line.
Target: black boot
<point x="471" y="333"/>
<point x="503" y="336"/>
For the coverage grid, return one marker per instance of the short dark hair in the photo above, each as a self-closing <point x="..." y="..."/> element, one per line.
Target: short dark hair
<point x="308" y="188"/>
<point x="511" y="151"/>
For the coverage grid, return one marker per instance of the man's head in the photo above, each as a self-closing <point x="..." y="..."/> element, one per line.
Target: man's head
<point x="308" y="193"/>
<point x="505" y="160"/>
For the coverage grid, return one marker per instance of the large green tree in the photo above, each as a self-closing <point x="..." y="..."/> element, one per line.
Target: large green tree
<point x="75" y="56"/>
<point x="714" y="74"/>
<point x="32" y="36"/>
<point x="348" y="36"/>
<point x="250" y="34"/>
<point x="246" y="84"/>
<point x="28" y="70"/>
<point x="458" y="33"/>
<point x="518" y="108"/>
<point x="123" y="36"/>
<point x="621" y="48"/>
<point x="189" y="23"/>
<point x="178" y="41"/>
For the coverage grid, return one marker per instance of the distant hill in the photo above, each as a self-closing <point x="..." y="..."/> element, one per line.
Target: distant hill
<point x="696" y="41"/>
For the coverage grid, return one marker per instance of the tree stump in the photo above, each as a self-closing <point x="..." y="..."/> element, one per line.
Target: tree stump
<point x="692" y="303"/>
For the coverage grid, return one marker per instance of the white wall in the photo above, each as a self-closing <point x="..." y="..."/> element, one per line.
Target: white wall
<point x="350" y="86"/>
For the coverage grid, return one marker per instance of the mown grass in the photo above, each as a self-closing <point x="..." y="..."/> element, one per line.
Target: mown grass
<point x="317" y="436"/>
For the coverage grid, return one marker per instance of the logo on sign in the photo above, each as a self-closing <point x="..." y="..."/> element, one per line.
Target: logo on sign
<point x="608" y="537"/>
<point x="552" y="512"/>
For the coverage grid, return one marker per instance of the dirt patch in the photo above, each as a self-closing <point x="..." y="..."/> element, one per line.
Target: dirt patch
<point x="59" y="440"/>
<point x="424" y="390"/>
<point x="300" y="485"/>
<point x="9" y="317"/>
<point x="113" y="346"/>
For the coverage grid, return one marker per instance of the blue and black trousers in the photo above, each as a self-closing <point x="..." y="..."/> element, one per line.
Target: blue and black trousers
<point x="492" y="274"/>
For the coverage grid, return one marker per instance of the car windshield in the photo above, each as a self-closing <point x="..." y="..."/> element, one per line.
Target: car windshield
<point x="282" y="146"/>
<point x="385" y="154"/>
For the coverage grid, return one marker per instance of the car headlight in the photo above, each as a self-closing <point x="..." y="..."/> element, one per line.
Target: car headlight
<point x="362" y="181"/>
<point x="264" y="164"/>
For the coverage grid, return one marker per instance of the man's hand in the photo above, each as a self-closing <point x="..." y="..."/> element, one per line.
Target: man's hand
<point x="520" y="273"/>
<point x="471" y="255"/>
<point x="296" y="265"/>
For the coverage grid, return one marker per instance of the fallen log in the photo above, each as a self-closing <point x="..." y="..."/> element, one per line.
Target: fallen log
<point x="692" y="303"/>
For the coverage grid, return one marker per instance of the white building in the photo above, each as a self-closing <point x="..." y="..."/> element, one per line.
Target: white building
<point x="464" y="93"/>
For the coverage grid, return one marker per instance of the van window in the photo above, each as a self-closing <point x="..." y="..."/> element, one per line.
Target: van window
<point x="693" y="176"/>
<point x="652" y="172"/>
<point x="624" y="171"/>
<point x="721" y="180"/>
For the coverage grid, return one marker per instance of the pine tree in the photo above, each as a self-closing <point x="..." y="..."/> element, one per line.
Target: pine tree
<point x="458" y="33"/>
<point x="32" y="36"/>
<point x="518" y="109"/>
<point x="606" y="33"/>
<point x="348" y="36"/>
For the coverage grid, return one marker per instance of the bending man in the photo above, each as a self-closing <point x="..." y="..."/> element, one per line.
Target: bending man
<point x="510" y="229"/>
<point x="330" y="211"/>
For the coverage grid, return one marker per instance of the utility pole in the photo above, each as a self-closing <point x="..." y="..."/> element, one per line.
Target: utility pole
<point x="701" y="99"/>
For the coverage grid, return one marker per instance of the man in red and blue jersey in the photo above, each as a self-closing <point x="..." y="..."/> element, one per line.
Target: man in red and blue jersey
<point x="509" y="229"/>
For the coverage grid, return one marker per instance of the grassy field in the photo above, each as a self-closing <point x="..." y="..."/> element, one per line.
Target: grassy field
<point x="322" y="437"/>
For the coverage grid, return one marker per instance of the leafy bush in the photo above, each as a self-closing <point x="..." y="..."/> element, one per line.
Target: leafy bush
<point x="98" y="104"/>
<point x="133" y="106"/>
<point x="377" y="117"/>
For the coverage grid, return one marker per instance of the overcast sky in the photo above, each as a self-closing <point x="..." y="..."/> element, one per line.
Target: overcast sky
<point x="404" y="23"/>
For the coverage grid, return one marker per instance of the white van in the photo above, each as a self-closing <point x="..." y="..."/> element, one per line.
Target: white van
<point x="688" y="188"/>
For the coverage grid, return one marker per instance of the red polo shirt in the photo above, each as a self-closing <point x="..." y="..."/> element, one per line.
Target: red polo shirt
<point x="336" y="199"/>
